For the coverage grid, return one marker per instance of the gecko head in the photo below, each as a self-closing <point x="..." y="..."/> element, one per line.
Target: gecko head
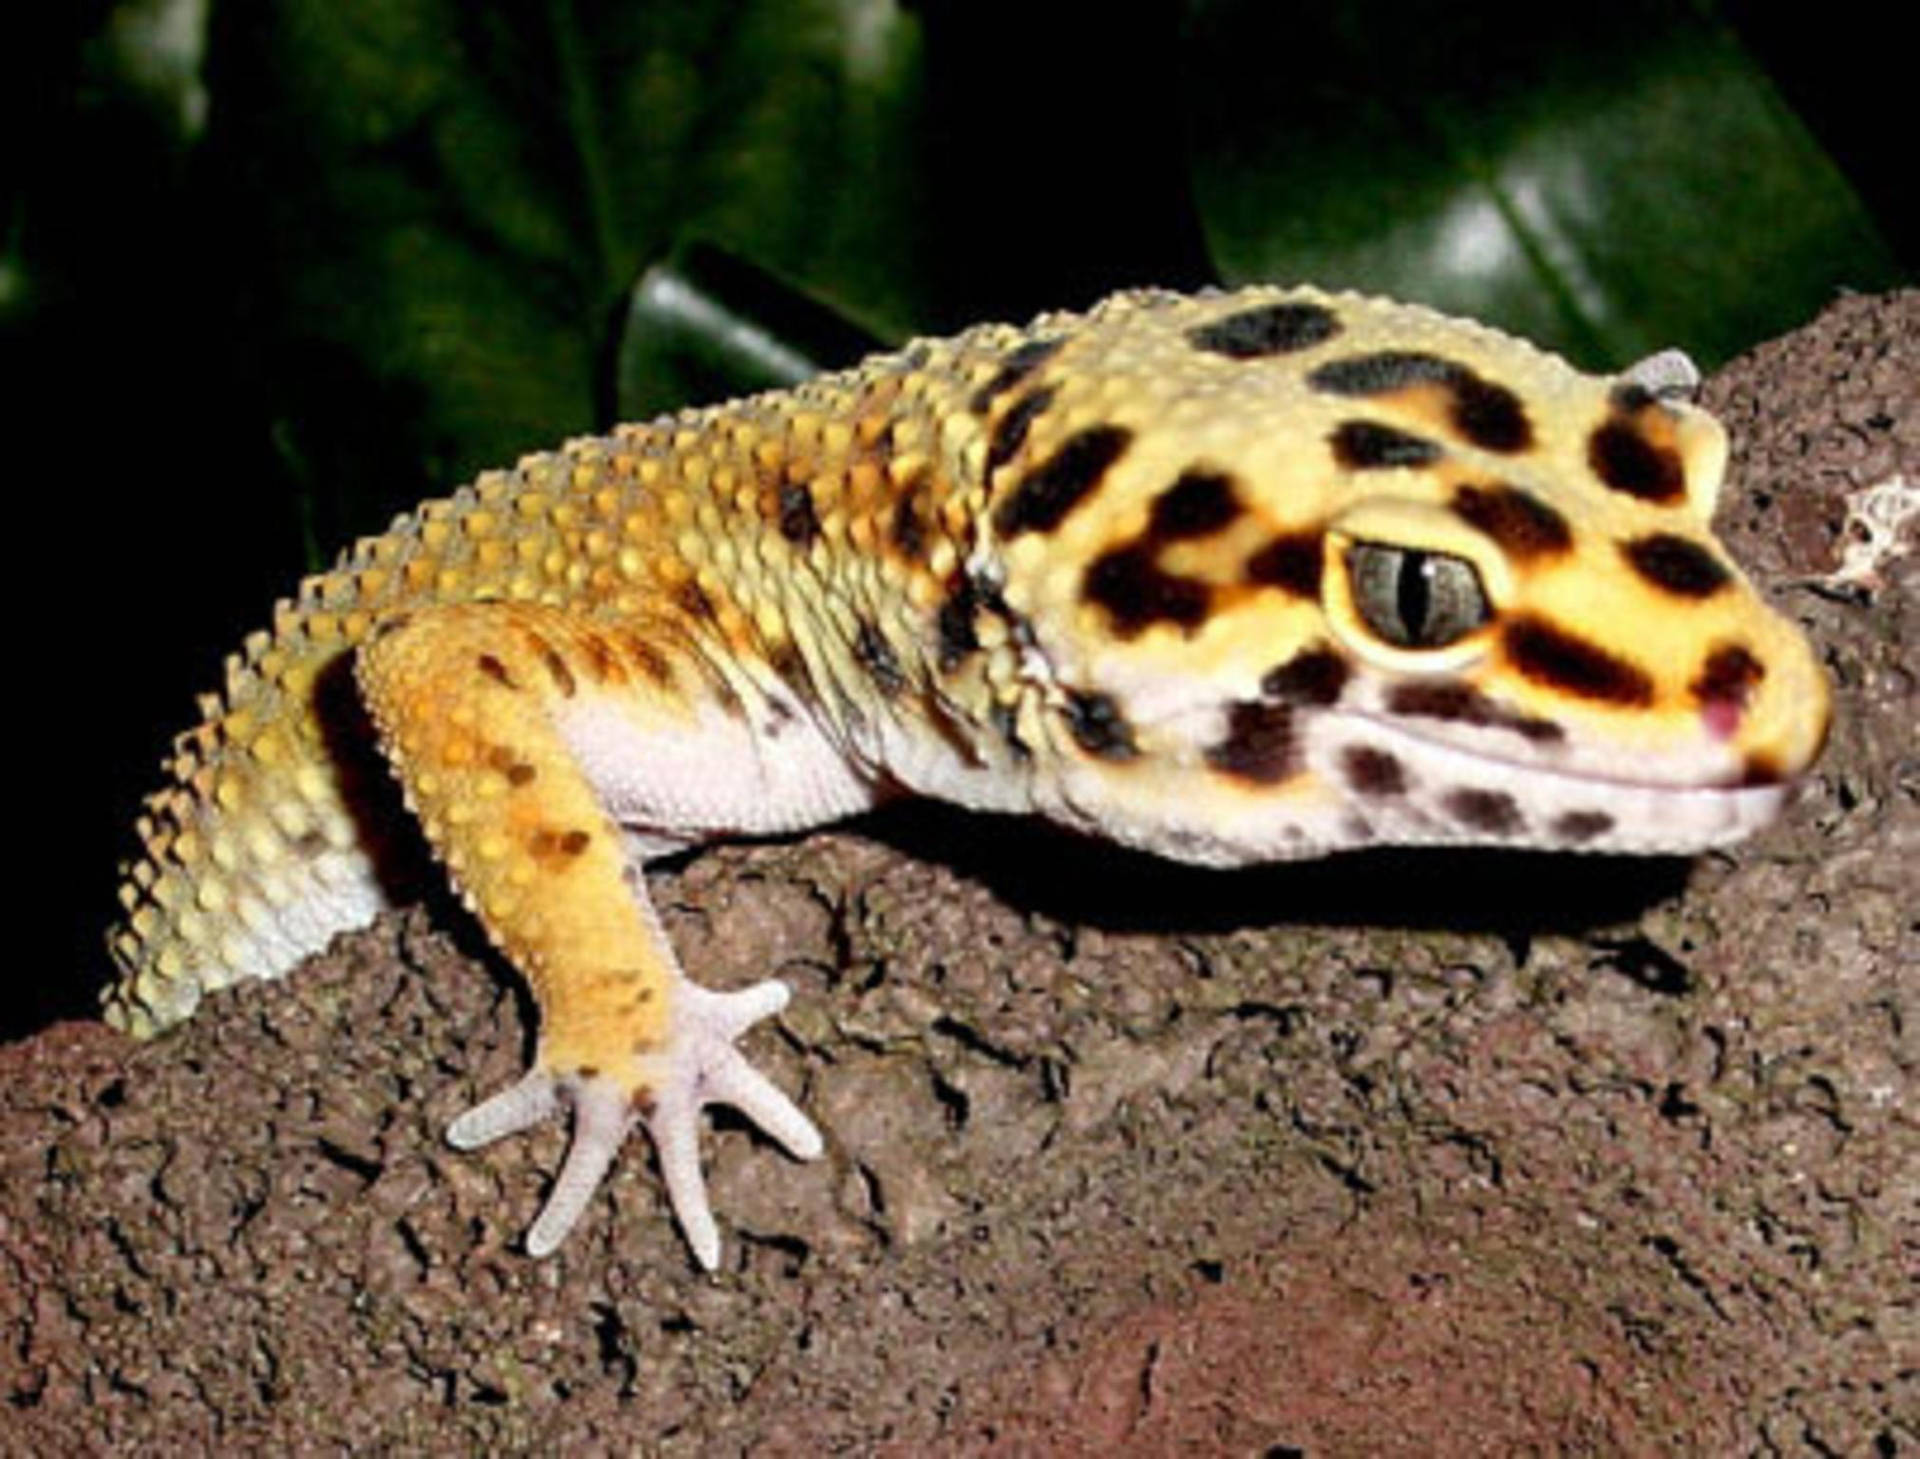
<point x="1448" y="591"/>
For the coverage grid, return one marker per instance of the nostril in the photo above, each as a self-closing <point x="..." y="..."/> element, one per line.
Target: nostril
<point x="1724" y="686"/>
<point x="1722" y="717"/>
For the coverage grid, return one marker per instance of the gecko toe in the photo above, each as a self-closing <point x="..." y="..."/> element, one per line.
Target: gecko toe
<point x="519" y="1107"/>
<point x="602" y="1112"/>
<point x="665" y="1089"/>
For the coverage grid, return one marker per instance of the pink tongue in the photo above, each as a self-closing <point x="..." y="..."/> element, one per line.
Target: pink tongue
<point x="1722" y="717"/>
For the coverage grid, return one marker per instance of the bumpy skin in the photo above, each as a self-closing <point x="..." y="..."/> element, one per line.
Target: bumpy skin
<point x="1231" y="577"/>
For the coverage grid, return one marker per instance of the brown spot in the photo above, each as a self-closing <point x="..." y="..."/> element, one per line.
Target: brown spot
<point x="798" y="522"/>
<point x="389" y="625"/>
<point x="556" y="666"/>
<point x="1524" y="526"/>
<point x="1760" y="768"/>
<point x="1728" y="677"/>
<point x="1486" y="415"/>
<point x="1292" y="562"/>
<point x="874" y="654"/>
<point x="1312" y="677"/>
<point x="1626" y="461"/>
<point x="1019" y="364"/>
<point x="1042" y="499"/>
<point x="1551" y="656"/>
<point x="1373" y="773"/>
<point x="1136" y="592"/>
<point x="694" y="602"/>
<point x="647" y="659"/>
<point x="1259" y="745"/>
<point x="547" y="844"/>
<point x="1010" y="431"/>
<point x="785" y="660"/>
<point x="602" y="661"/>
<point x="1578" y="827"/>
<point x="1676" y="565"/>
<point x="1199" y="504"/>
<point x="517" y="771"/>
<point x="1365" y="445"/>
<point x="1098" y="726"/>
<point x="1491" y="811"/>
<point x="1264" y="330"/>
<point x="1448" y="699"/>
<point x="495" y="670"/>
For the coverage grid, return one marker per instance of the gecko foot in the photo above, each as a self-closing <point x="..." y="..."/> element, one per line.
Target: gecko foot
<point x="664" y="1089"/>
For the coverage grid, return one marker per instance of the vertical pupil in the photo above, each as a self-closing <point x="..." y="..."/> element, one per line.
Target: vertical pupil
<point x="1414" y="596"/>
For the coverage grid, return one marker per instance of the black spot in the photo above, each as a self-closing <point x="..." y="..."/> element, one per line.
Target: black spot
<point x="1630" y="397"/>
<point x="1046" y="494"/>
<point x="1021" y="363"/>
<point x="1292" y="562"/>
<point x="1579" y="827"/>
<point x="1490" y="416"/>
<point x="1448" y="699"/>
<point x="1364" y="445"/>
<point x="1313" y="676"/>
<point x="1136" y="592"/>
<point x="1373" y="772"/>
<point x="1259" y="744"/>
<point x="874" y="654"/>
<point x="1627" y="461"/>
<point x="1728" y="676"/>
<point x="1383" y="372"/>
<point x="1266" y="329"/>
<point x="1098" y="726"/>
<point x="1550" y="656"/>
<point x="1524" y="526"/>
<point x="908" y="527"/>
<point x="1006" y="721"/>
<point x="1491" y="811"/>
<point x="953" y="627"/>
<point x="1010" y="433"/>
<point x="1677" y="565"/>
<point x="798" y="524"/>
<point x="1199" y="504"/>
<point x="1486" y="415"/>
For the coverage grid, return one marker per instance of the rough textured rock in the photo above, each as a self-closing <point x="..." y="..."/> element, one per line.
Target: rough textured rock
<point x="1437" y="1154"/>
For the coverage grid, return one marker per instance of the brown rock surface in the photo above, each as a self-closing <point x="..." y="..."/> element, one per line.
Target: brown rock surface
<point x="1440" y="1154"/>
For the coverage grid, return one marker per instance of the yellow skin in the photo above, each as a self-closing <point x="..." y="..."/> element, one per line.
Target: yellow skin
<point x="1230" y="578"/>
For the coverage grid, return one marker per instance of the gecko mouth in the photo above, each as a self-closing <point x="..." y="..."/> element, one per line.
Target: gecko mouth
<point x="1421" y="789"/>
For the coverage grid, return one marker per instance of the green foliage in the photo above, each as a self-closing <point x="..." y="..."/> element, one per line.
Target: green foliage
<point x="409" y="236"/>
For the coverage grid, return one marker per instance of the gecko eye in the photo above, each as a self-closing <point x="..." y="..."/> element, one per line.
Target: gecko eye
<point x="1415" y="599"/>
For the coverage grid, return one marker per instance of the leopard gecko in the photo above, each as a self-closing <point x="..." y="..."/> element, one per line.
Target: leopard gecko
<point x="1228" y="577"/>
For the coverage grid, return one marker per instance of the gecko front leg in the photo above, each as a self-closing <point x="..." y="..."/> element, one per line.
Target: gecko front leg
<point x="474" y="703"/>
